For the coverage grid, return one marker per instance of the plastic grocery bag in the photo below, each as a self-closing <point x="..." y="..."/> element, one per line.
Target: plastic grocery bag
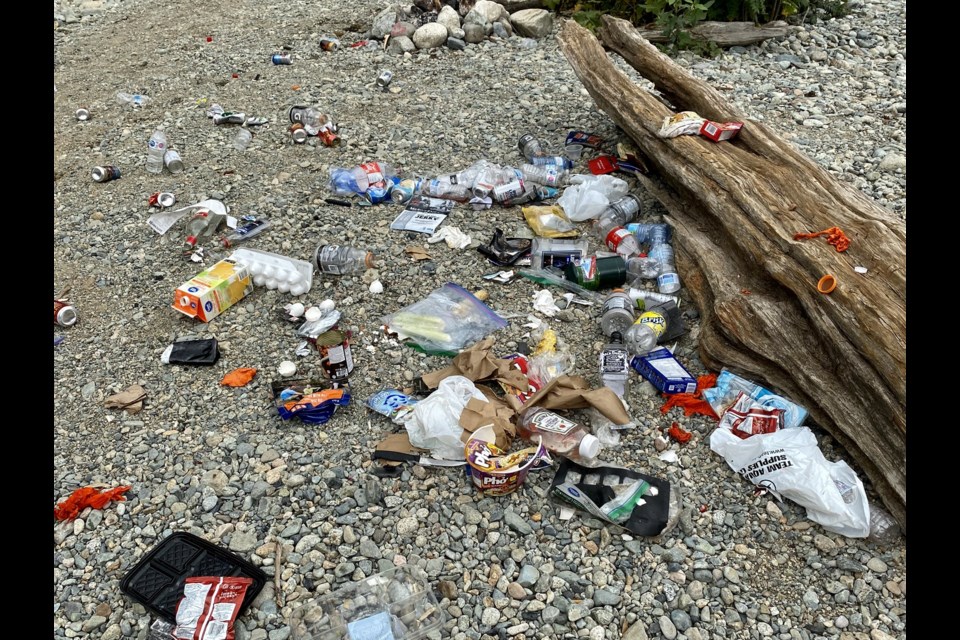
<point x="590" y="195"/>
<point x="434" y="423"/>
<point x="789" y="463"/>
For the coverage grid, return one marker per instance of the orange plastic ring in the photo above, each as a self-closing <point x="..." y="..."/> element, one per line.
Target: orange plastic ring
<point x="827" y="284"/>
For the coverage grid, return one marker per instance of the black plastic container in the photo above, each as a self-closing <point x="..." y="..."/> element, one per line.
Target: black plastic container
<point x="157" y="580"/>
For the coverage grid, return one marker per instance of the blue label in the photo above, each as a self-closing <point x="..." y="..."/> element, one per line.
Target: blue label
<point x="193" y="289"/>
<point x="208" y="306"/>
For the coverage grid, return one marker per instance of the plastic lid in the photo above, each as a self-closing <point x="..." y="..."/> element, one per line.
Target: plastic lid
<point x="616" y="336"/>
<point x="589" y="446"/>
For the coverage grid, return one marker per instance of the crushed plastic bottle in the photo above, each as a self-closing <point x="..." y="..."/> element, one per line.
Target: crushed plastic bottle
<point x="335" y="259"/>
<point x="135" y="99"/>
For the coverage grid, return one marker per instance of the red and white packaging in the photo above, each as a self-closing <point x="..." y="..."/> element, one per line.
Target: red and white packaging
<point x="747" y="418"/>
<point x="719" y="131"/>
<point x="209" y="606"/>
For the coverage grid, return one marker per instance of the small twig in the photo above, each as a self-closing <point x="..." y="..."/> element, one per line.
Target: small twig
<point x="278" y="593"/>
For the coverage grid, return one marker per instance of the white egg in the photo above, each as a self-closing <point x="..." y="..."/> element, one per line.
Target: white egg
<point x="313" y="314"/>
<point x="298" y="290"/>
<point x="296" y="309"/>
<point x="287" y="368"/>
<point x="283" y="287"/>
<point x="256" y="268"/>
<point x="327" y="305"/>
<point x="376" y="287"/>
<point x="259" y="280"/>
<point x="271" y="283"/>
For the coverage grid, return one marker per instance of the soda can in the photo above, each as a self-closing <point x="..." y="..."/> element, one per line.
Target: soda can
<point x="404" y="190"/>
<point x="83" y="115"/>
<point x="329" y="43"/>
<point x="328" y="137"/>
<point x="298" y="133"/>
<point x="384" y="79"/>
<point x="105" y="174"/>
<point x="162" y="199"/>
<point x="229" y="118"/>
<point x="172" y="159"/>
<point x="64" y="314"/>
<point x="281" y="58"/>
<point x="336" y="359"/>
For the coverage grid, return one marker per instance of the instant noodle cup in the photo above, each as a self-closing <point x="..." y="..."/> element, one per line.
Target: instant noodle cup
<point x="495" y="472"/>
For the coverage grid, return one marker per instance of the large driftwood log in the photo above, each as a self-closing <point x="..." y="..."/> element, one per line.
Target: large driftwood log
<point x="726" y="34"/>
<point x="735" y="207"/>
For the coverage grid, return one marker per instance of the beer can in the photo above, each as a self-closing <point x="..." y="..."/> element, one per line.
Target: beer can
<point x="336" y="359"/>
<point x="299" y="133"/>
<point x="83" y="115"/>
<point x="404" y="190"/>
<point x="281" y="58"/>
<point x="229" y="118"/>
<point x="329" y="43"/>
<point x="162" y="199"/>
<point x="328" y="137"/>
<point x="384" y="79"/>
<point x="172" y="159"/>
<point x="105" y="174"/>
<point x="64" y="314"/>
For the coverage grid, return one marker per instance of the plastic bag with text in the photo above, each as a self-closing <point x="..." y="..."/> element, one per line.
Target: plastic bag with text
<point x="434" y="423"/>
<point x="789" y="463"/>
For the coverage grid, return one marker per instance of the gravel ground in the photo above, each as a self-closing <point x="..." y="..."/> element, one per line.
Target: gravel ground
<point x="218" y="462"/>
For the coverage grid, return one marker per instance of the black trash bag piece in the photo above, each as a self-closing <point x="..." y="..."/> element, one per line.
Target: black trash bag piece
<point x="194" y="352"/>
<point x="505" y="251"/>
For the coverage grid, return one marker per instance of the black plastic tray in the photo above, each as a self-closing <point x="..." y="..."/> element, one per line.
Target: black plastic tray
<point x="157" y="580"/>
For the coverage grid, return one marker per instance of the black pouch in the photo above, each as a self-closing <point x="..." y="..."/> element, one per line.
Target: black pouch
<point x="505" y="251"/>
<point x="196" y="352"/>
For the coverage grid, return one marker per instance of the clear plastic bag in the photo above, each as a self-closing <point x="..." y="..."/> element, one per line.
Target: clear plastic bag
<point x="447" y="320"/>
<point x="434" y="423"/>
<point x="590" y="195"/>
<point x="549" y="222"/>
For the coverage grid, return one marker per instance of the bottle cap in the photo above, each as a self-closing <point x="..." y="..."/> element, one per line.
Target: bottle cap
<point x="616" y="336"/>
<point x="369" y="260"/>
<point x="589" y="446"/>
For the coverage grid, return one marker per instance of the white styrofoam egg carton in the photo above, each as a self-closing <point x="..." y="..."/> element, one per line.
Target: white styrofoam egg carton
<point x="273" y="271"/>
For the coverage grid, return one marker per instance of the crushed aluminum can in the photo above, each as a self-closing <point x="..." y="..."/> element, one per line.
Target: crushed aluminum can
<point x="172" y="160"/>
<point x="384" y="79"/>
<point x="329" y="43"/>
<point x="105" y="174"/>
<point x="64" y="314"/>
<point x="298" y="133"/>
<point x="228" y="117"/>
<point x="281" y="58"/>
<point x="162" y="199"/>
<point x="328" y="138"/>
<point x="83" y="115"/>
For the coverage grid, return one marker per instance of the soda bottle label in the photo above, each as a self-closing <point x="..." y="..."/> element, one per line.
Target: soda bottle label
<point x="667" y="280"/>
<point x="588" y="269"/>
<point x="615" y="237"/>
<point x="373" y="171"/>
<point x="326" y="264"/>
<point x="614" y="361"/>
<point x="551" y="422"/>
<point x="508" y="191"/>
<point x="654" y="320"/>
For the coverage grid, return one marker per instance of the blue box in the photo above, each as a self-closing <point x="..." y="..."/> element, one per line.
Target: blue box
<point x="664" y="372"/>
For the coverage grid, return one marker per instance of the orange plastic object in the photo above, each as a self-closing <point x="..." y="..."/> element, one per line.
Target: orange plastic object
<point x="692" y="402"/>
<point x="835" y="236"/>
<point x="87" y="497"/>
<point x="238" y="377"/>
<point x="827" y="284"/>
<point x="680" y="435"/>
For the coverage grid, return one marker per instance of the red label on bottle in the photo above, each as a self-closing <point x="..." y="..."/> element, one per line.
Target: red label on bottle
<point x="615" y="237"/>
<point x="373" y="171"/>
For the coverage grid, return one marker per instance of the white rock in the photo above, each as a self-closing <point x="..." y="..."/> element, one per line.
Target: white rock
<point x="376" y="287"/>
<point x="492" y="11"/>
<point x="533" y="23"/>
<point x="449" y="18"/>
<point x="430" y="35"/>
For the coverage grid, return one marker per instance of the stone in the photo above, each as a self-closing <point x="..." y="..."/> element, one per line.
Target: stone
<point x="602" y="598"/>
<point x="92" y="623"/>
<point x="400" y="29"/>
<point x="449" y="18"/>
<point x="456" y="44"/>
<point x="471" y="515"/>
<point x="280" y="634"/>
<point x="113" y="632"/>
<point x="667" y="628"/>
<point x="307" y="543"/>
<point x="549" y="614"/>
<point x="87" y="391"/>
<point x="577" y="612"/>
<point x="529" y="575"/>
<point x="637" y="631"/>
<point x="490" y="616"/>
<point x="824" y="543"/>
<point x="430" y="35"/>
<point x="490" y="11"/>
<point x="516" y="591"/>
<point x="877" y="565"/>
<point x="731" y="575"/>
<point x="401" y="44"/>
<point x="499" y="30"/>
<point x="473" y="33"/>
<point x="773" y="510"/>
<point x="243" y="540"/>
<point x="812" y="600"/>
<point x="516" y="523"/>
<point x="448" y="589"/>
<point x="406" y="526"/>
<point x="532" y="23"/>
<point x="877" y="634"/>
<point x="681" y="620"/>
<point x="369" y="549"/>
<point x="382" y="23"/>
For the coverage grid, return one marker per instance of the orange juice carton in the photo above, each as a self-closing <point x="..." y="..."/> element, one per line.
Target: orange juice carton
<point x="213" y="291"/>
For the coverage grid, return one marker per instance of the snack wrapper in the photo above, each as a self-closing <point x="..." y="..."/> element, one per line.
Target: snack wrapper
<point x="492" y="470"/>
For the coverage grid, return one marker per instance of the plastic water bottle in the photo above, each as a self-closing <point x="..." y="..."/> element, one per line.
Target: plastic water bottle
<point x="623" y="211"/>
<point x="645" y="230"/>
<point x="668" y="281"/>
<point x="615" y="364"/>
<point x="136" y="99"/>
<point x="643" y="334"/>
<point x="616" y="237"/>
<point x="643" y="268"/>
<point x="617" y="313"/>
<point x="242" y="140"/>
<point x="338" y="260"/>
<point x="546" y="175"/>
<point x="643" y="298"/>
<point x="489" y="177"/>
<point x="884" y="530"/>
<point x="529" y="146"/>
<point x="156" y="148"/>
<point x="559" y="162"/>
<point x="560" y="436"/>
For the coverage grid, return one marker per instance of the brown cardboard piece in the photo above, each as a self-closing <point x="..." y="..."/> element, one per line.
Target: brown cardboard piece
<point x="130" y="399"/>
<point x="396" y="448"/>
<point x="478" y="363"/>
<point x="574" y="392"/>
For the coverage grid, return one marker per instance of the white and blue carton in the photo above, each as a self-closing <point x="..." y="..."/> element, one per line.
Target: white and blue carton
<point x="664" y="372"/>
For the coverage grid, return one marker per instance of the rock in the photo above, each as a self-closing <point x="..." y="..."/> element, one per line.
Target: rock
<point x="490" y="616"/>
<point x="637" y="631"/>
<point x="430" y="35"/>
<point x="449" y="18"/>
<point x="516" y="591"/>
<point x="893" y="162"/>
<point x="533" y="23"/>
<point x="406" y="526"/>
<point x="847" y="564"/>
<point x="731" y="575"/>
<point x="400" y="29"/>
<point x="456" y="44"/>
<point x="280" y="634"/>
<point x="517" y="5"/>
<point x="473" y="33"/>
<point x="681" y="620"/>
<point x="516" y="523"/>
<point x="382" y="23"/>
<point x="471" y="515"/>
<point x="307" y="543"/>
<point x="667" y="628"/>
<point x="529" y="575"/>
<point x="877" y="634"/>
<point x="576" y="612"/>
<point x="243" y="540"/>
<point x="773" y="510"/>
<point x="549" y="614"/>
<point x="811" y="599"/>
<point x="92" y="623"/>
<point x="474" y="18"/>
<point x="458" y="34"/>
<point x="401" y="44"/>
<point x="448" y="589"/>
<point x="602" y="598"/>
<point x="113" y="632"/>
<point x="499" y="30"/>
<point x="490" y="11"/>
<point x="87" y="391"/>
<point x="369" y="549"/>
<point x="877" y="565"/>
<point x="824" y="543"/>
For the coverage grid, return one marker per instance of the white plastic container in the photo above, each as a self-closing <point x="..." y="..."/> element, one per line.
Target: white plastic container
<point x="273" y="271"/>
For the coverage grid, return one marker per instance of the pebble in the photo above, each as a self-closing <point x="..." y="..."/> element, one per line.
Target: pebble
<point x="824" y="543"/>
<point x="577" y="612"/>
<point x="516" y="591"/>
<point x="517" y="523"/>
<point x="602" y="597"/>
<point x="448" y="589"/>
<point x="490" y="616"/>
<point x="528" y="575"/>
<point x="877" y="565"/>
<point x="667" y="628"/>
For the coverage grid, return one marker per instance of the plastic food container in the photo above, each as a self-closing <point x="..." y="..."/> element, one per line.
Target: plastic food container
<point x="394" y="605"/>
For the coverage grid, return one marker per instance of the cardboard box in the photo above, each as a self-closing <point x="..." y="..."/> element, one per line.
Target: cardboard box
<point x="664" y="372"/>
<point x="719" y="131"/>
<point x="213" y="291"/>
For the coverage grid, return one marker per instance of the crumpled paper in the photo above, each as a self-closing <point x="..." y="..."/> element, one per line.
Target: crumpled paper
<point x="454" y="238"/>
<point x="130" y="399"/>
<point x="544" y="303"/>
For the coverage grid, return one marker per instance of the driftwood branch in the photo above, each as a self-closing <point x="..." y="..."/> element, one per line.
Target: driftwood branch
<point x="735" y="207"/>
<point x="726" y="34"/>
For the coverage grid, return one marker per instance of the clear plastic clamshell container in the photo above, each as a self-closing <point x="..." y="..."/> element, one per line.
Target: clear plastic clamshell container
<point x="397" y="604"/>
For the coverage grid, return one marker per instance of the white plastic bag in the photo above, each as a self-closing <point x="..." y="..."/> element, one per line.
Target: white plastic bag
<point x="789" y="463"/>
<point x="434" y="423"/>
<point x="590" y="195"/>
